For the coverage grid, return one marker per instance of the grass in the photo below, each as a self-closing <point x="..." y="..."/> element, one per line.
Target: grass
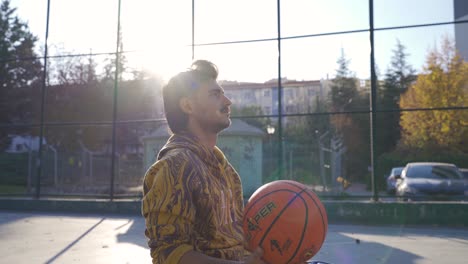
<point x="12" y="189"/>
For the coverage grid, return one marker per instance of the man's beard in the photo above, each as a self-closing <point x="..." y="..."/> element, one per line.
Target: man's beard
<point x="220" y="126"/>
<point x="223" y="125"/>
<point x="216" y="123"/>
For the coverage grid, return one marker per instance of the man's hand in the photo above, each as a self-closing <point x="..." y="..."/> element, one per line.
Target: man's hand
<point x="255" y="257"/>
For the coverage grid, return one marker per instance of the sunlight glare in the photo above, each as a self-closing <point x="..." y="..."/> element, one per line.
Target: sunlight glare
<point x="160" y="33"/>
<point x="165" y="61"/>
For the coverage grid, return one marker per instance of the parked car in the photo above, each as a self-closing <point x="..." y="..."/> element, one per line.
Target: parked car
<point x="428" y="180"/>
<point x="464" y="172"/>
<point x="391" y="179"/>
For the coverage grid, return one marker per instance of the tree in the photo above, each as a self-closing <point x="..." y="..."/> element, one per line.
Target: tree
<point x="304" y="128"/>
<point x="69" y="69"/>
<point x="112" y="66"/>
<point x="20" y="70"/>
<point x="74" y="95"/>
<point x="350" y="128"/>
<point x="343" y="90"/>
<point x="398" y="77"/>
<point x="302" y="134"/>
<point x="443" y="84"/>
<point x="246" y="114"/>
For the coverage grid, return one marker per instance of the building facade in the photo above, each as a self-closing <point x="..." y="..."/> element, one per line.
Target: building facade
<point x="461" y="29"/>
<point x="297" y="96"/>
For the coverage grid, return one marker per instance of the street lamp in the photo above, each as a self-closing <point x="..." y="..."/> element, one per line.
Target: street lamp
<point x="270" y="130"/>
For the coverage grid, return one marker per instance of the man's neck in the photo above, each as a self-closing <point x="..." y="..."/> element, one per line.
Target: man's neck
<point x="206" y="139"/>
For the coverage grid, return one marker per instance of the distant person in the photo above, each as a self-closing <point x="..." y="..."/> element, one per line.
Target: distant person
<point x="193" y="201"/>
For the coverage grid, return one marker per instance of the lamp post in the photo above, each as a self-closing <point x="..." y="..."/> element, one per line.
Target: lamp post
<point x="270" y="131"/>
<point x="321" y="149"/>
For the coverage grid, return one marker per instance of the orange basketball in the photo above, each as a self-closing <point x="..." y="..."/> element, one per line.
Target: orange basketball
<point x="287" y="220"/>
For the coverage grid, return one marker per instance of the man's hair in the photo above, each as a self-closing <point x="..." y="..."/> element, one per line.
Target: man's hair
<point x="182" y="85"/>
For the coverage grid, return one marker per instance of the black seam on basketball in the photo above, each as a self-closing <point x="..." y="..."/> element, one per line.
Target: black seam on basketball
<point x="279" y="215"/>
<point x="305" y="226"/>
<point x="321" y="216"/>
<point x="266" y="194"/>
<point x="319" y="209"/>
<point x="315" y="202"/>
<point x="259" y="198"/>
<point x="300" y="191"/>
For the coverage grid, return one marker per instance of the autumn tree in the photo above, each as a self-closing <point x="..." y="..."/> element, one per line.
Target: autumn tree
<point x="443" y="84"/>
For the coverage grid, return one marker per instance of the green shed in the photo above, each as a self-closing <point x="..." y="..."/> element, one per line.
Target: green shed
<point x="241" y="143"/>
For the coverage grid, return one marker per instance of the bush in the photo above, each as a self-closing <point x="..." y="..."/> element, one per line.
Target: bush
<point x="306" y="177"/>
<point x="14" y="168"/>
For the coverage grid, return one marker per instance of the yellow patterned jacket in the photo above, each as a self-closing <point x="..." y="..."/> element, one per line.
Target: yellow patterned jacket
<point x="192" y="201"/>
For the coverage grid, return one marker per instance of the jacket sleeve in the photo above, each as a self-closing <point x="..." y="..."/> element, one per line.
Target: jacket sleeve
<point x="168" y="212"/>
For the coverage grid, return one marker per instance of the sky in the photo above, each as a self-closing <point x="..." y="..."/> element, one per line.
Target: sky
<point x="159" y="33"/>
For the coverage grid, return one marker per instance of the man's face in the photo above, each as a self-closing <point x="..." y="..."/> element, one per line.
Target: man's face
<point x="211" y="108"/>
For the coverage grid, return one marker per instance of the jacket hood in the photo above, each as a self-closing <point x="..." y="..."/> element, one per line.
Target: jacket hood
<point x="188" y="141"/>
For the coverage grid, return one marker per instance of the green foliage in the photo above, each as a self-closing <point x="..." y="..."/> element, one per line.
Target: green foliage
<point x="12" y="189"/>
<point x="247" y="114"/>
<point x="116" y="65"/>
<point x="20" y="70"/>
<point x="93" y="102"/>
<point x="70" y="69"/>
<point x="307" y="177"/>
<point x="353" y="128"/>
<point x="399" y="76"/>
<point x="13" y="168"/>
<point x="344" y="89"/>
<point x="307" y="128"/>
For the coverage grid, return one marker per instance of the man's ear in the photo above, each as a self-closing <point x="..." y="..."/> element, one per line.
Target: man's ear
<point x="186" y="105"/>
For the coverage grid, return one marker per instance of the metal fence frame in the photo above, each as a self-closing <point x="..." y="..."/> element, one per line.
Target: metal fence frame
<point x="372" y="110"/>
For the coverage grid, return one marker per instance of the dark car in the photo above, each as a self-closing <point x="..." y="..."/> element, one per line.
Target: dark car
<point x="464" y="172"/>
<point x="428" y="180"/>
<point x="391" y="179"/>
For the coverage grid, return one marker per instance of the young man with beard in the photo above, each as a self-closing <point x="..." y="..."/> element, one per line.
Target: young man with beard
<point x="193" y="202"/>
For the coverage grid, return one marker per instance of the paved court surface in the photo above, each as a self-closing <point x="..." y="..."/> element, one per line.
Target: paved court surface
<point x="69" y="238"/>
